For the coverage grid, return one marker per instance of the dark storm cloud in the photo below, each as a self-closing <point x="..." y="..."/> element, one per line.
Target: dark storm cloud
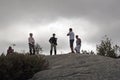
<point x="105" y="14"/>
<point x="39" y="10"/>
<point x="43" y="10"/>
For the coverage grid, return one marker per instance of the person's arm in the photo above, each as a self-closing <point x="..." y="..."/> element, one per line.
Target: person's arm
<point x="50" y="40"/>
<point x="68" y="34"/>
<point x="56" y="40"/>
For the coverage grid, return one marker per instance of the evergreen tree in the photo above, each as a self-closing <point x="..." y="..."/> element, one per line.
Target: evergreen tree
<point x="105" y="48"/>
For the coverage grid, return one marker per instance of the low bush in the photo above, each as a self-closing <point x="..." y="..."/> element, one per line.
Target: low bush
<point x="87" y="52"/>
<point x="21" y="67"/>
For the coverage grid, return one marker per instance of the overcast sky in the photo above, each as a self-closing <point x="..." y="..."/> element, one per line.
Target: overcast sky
<point x="90" y="19"/>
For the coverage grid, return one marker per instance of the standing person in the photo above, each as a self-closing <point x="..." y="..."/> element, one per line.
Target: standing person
<point x="53" y="42"/>
<point x="31" y="42"/>
<point x="71" y="37"/>
<point x="78" y="44"/>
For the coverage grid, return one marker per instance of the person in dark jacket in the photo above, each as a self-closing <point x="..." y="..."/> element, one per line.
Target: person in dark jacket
<point x="10" y="50"/>
<point x="53" y="42"/>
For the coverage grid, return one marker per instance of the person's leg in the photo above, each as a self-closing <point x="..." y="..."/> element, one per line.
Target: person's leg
<point x="55" y="51"/>
<point x="72" y="49"/>
<point x="71" y="45"/>
<point x="76" y="49"/>
<point x="33" y="49"/>
<point x="30" y="49"/>
<point x="79" y="48"/>
<point x="51" y="49"/>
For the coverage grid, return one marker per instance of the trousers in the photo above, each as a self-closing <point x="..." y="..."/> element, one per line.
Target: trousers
<point x="53" y="46"/>
<point x="77" y="48"/>
<point x="32" y="49"/>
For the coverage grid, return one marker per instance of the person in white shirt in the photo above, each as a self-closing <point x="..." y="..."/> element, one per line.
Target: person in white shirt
<point x="71" y="37"/>
<point x="31" y="43"/>
<point x="78" y="44"/>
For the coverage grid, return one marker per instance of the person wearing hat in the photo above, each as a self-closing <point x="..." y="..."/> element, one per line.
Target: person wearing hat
<point x="53" y="42"/>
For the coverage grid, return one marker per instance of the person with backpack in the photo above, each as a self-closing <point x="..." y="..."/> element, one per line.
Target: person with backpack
<point x="78" y="44"/>
<point x="53" y="42"/>
<point x="71" y="37"/>
<point x="31" y="43"/>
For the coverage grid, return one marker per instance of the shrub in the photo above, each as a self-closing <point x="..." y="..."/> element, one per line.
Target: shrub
<point x="105" y="48"/>
<point x="87" y="52"/>
<point x="21" y="67"/>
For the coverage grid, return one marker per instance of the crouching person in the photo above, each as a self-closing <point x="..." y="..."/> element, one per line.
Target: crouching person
<point x="10" y="50"/>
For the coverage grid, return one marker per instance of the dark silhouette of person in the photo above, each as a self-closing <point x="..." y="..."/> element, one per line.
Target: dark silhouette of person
<point x="53" y="42"/>
<point x="78" y="44"/>
<point x="71" y="37"/>
<point x="10" y="50"/>
<point x="31" y="43"/>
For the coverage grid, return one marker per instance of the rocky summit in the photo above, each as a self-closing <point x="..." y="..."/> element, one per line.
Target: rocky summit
<point x="80" y="67"/>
